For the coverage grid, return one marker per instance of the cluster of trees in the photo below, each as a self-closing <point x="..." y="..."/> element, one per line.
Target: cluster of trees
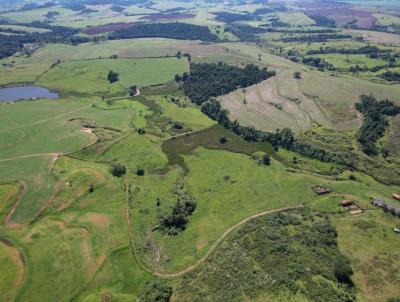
<point x="176" y="220"/>
<point x="156" y="290"/>
<point x="210" y="80"/>
<point x="324" y="37"/>
<point x="317" y="62"/>
<point x="117" y="169"/>
<point x="112" y="77"/>
<point x="175" y="30"/>
<point x="228" y="17"/>
<point x="392" y="76"/>
<point x="375" y="121"/>
<point x="245" y="33"/>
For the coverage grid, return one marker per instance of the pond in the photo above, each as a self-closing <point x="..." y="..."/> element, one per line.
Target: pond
<point x="26" y="92"/>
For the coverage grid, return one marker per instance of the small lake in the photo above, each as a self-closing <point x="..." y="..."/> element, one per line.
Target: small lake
<point x="26" y="92"/>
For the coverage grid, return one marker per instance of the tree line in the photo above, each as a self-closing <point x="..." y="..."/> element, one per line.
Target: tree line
<point x="315" y="38"/>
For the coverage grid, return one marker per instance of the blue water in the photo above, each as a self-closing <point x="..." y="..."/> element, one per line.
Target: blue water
<point x="26" y="92"/>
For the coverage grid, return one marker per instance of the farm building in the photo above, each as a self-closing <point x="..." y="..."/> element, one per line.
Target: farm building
<point x="320" y="190"/>
<point x="396" y="196"/>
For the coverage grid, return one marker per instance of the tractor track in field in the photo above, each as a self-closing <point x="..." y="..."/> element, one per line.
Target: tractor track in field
<point x="21" y="193"/>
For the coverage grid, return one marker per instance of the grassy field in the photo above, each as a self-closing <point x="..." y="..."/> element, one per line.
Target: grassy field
<point x="295" y="19"/>
<point x="36" y="14"/>
<point x="141" y="72"/>
<point x="375" y="253"/>
<point x="225" y="194"/>
<point x="336" y="95"/>
<point x="72" y="231"/>
<point x="24" y="28"/>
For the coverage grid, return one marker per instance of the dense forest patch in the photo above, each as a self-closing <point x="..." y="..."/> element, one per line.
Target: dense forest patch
<point x="210" y="80"/>
<point x="165" y="30"/>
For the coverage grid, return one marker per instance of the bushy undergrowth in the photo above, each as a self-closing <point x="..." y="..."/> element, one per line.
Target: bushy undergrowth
<point x="291" y="253"/>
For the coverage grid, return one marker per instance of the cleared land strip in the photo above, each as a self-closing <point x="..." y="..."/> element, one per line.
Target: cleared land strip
<point x="53" y="155"/>
<point x="219" y="241"/>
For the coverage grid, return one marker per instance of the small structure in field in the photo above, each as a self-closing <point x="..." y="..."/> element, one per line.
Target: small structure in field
<point x="351" y="207"/>
<point x="396" y="196"/>
<point x="320" y="190"/>
<point x="347" y="203"/>
<point x="396" y="230"/>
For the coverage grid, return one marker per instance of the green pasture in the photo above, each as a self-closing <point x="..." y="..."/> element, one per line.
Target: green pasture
<point x="8" y="193"/>
<point x="373" y="248"/>
<point x="20" y="72"/>
<point x="89" y="230"/>
<point x="225" y="193"/>
<point x="11" y="273"/>
<point x="336" y="95"/>
<point x="40" y="182"/>
<point x="187" y="114"/>
<point x="35" y="14"/>
<point x="46" y="128"/>
<point x="79" y="22"/>
<point x="25" y="28"/>
<point x="295" y="19"/>
<point x="346" y="61"/>
<point x="138" y="10"/>
<point x="90" y="76"/>
<point x="388" y="20"/>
